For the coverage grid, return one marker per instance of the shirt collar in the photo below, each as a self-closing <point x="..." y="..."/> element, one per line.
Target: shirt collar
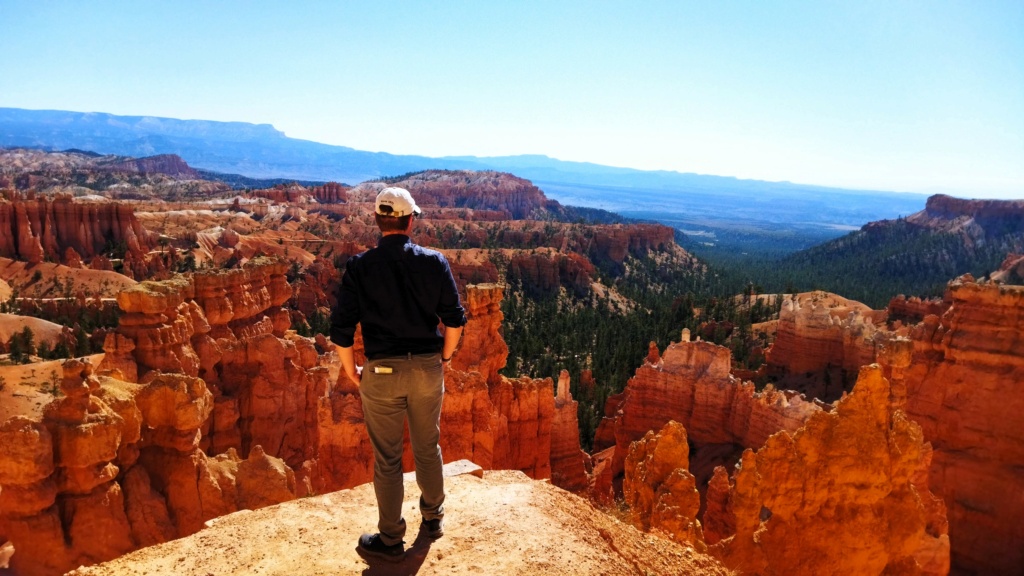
<point x="393" y="240"/>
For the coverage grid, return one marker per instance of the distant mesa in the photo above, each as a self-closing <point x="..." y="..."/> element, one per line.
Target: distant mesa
<point x="169" y="164"/>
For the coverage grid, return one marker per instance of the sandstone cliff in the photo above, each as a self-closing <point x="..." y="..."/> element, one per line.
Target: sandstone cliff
<point x="330" y="193"/>
<point x="45" y="228"/>
<point x="970" y="217"/>
<point x="964" y="388"/>
<point x="821" y="342"/>
<point x="169" y="164"/>
<point x="112" y="466"/>
<point x="950" y="377"/>
<point x="516" y="197"/>
<point x="847" y="493"/>
<point x="691" y="384"/>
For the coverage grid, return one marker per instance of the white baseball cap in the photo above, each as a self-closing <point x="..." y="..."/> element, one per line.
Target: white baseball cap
<point x="396" y="202"/>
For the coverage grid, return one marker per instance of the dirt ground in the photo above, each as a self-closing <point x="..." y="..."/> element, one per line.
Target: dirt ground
<point x="503" y="523"/>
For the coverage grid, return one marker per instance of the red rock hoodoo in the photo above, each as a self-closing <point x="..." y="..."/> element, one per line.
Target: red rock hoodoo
<point x="847" y="493"/>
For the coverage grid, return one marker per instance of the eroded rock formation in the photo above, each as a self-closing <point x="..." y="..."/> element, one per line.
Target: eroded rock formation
<point x="516" y="197"/>
<point x="169" y="164"/>
<point x="658" y="487"/>
<point x="847" y="493"/>
<point x="690" y="383"/>
<point x="112" y="466"/>
<point x="228" y="327"/>
<point x="821" y="342"/>
<point x="41" y="228"/>
<point x="964" y="387"/>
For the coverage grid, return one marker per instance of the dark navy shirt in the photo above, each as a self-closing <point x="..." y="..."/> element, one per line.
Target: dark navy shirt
<point x="397" y="291"/>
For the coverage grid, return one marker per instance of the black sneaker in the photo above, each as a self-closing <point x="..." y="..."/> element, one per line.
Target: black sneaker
<point x="372" y="545"/>
<point x="434" y="528"/>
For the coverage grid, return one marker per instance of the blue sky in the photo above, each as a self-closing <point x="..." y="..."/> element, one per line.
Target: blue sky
<point x="893" y="95"/>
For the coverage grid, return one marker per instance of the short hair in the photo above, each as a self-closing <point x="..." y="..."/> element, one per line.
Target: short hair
<point x="392" y="223"/>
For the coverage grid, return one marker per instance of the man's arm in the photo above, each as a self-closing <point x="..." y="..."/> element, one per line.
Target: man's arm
<point x="451" y="341"/>
<point x="348" y="363"/>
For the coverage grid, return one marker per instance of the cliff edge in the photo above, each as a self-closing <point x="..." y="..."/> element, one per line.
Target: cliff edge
<point x="501" y="522"/>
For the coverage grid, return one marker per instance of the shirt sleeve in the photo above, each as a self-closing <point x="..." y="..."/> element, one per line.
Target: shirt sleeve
<point x="346" y="314"/>
<point x="449" y="308"/>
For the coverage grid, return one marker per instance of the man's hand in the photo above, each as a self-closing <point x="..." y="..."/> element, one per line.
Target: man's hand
<point x="348" y="364"/>
<point x="451" y="341"/>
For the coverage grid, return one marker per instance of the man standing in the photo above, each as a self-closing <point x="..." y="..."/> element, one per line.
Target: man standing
<point x="398" y="292"/>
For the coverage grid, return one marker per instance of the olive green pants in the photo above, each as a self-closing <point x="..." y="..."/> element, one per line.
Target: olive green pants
<point x="413" y="390"/>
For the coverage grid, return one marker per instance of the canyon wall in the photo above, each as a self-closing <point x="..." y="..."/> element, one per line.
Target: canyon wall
<point x="169" y="164"/>
<point x="329" y="193"/>
<point x="965" y="386"/>
<point x="956" y="373"/>
<point x="45" y="228"/>
<point x="821" y="342"/>
<point x="113" y="466"/>
<point x="691" y="384"/>
<point x="847" y="493"/>
<point x="818" y="489"/>
<point x="487" y="190"/>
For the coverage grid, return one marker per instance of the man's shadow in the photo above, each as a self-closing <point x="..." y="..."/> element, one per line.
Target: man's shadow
<point x="415" y="555"/>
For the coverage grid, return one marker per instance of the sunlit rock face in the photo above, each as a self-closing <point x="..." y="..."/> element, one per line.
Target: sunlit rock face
<point x="847" y="493"/>
<point x="964" y="387"/>
<point x="112" y="466"/>
<point x="38" y="228"/>
<point x="821" y="342"/>
<point x="658" y="488"/>
<point x="691" y="383"/>
<point x="229" y="328"/>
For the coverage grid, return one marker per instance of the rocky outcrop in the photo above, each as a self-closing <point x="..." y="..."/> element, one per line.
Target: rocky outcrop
<point x="228" y="327"/>
<point x="963" y="388"/>
<point x="169" y="164"/>
<point x="658" y="488"/>
<point x="516" y="197"/>
<point x="691" y="384"/>
<point x="329" y="193"/>
<point x="821" y="342"/>
<point x="570" y="466"/>
<point x="507" y="524"/>
<point x="614" y="241"/>
<point x="1011" y="271"/>
<point x="41" y="228"/>
<point x="112" y="466"/>
<point x="847" y="493"/>
<point x="946" y="213"/>
<point x="543" y="273"/>
<point x="482" y="348"/>
<point x="913" y="310"/>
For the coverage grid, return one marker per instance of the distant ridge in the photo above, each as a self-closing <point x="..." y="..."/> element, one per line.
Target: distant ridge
<point x="736" y="213"/>
<point x="916" y="255"/>
<point x="261" y="151"/>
